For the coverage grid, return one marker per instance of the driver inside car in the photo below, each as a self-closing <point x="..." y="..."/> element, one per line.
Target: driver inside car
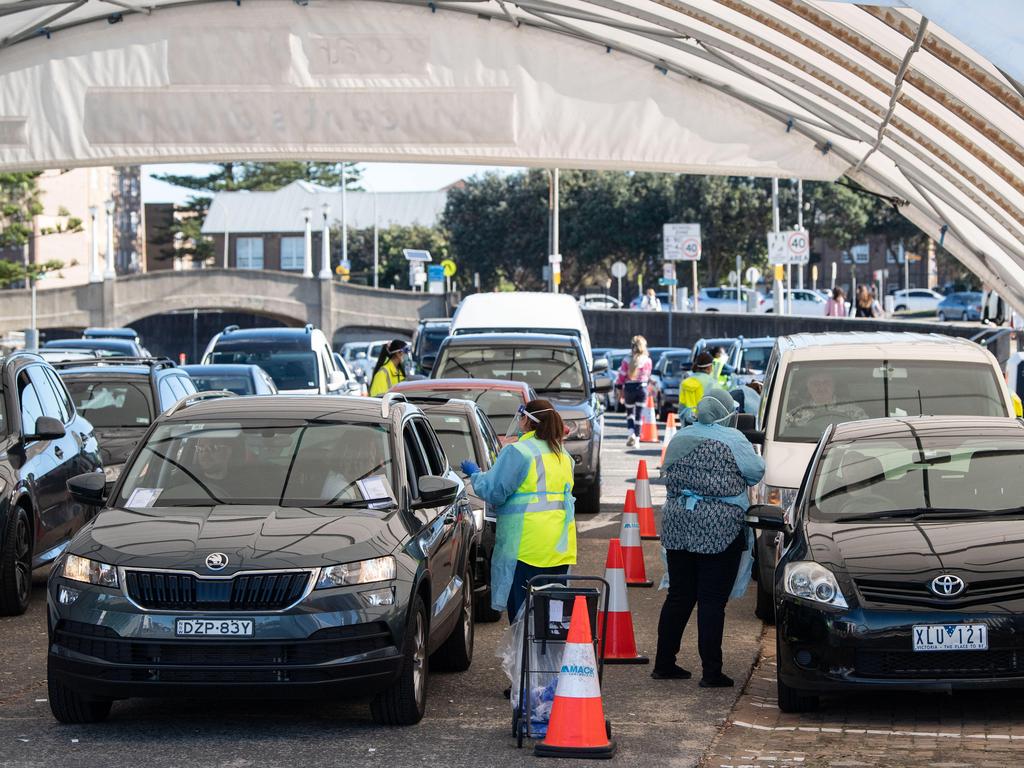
<point x="821" y="405"/>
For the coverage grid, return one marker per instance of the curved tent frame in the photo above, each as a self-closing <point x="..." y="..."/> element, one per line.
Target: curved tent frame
<point x="898" y="103"/>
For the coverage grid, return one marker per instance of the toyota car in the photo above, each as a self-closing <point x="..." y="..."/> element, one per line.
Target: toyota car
<point x="903" y="567"/>
<point x="274" y="546"/>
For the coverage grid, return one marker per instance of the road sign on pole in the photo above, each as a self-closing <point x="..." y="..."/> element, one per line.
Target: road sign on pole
<point x="412" y="254"/>
<point x="681" y="242"/>
<point x="619" y="272"/>
<point x="449" y="268"/>
<point x="791" y="247"/>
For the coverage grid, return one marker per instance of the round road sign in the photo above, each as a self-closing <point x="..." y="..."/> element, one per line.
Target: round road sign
<point x="753" y="274"/>
<point x="798" y="243"/>
<point x="691" y="249"/>
<point x="618" y="269"/>
<point x="449" y="267"/>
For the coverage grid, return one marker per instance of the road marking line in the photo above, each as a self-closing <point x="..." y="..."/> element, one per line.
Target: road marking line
<point x="599" y="520"/>
<point x="876" y="732"/>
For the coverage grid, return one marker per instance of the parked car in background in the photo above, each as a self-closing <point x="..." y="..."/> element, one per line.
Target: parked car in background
<point x="558" y="369"/>
<point x="121" y="397"/>
<point x="426" y="340"/>
<point x="499" y="399"/>
<point x="723" y="299"/>
<point x="327" y="536"/>
<point x="57" y="355"/>
<point x="355" y="381"/>
<point x="46" y="441"/>
<point x="668" y="373"/>
<point x="101" y="346"/>
<point x="240" y="379"/>
<point x="805" y="302"/>
<point x="963" y="305"/>
<point x="299" y="360"/>
<point x="916" y="300"/>
<point x="599" y="301"/>
<point x="610" y="399"/>
<point x="127" y="334"/>
<point x="902" y="568"/>
<point x="750" y="359"/>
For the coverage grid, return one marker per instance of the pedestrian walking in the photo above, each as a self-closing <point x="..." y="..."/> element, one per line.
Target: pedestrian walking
<point x="835" y="306"/>
<point x="694" y="386"/>
<point x="389" y="369"/>
<point x="634" y="375"/>
<point x="866" y="305"/>
<point x="708" y="467"/>
<point x="650" y="302"/>
<point x="530" y="484"/>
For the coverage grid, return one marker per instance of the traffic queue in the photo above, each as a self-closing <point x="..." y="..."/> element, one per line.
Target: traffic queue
<point x="229" y="538"/>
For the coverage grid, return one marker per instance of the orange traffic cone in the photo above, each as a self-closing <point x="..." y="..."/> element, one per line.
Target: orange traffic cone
<point x="644" y="507"/>
<point x="632" y="550"/>
<point x="576" y="727"/>
<point x="648" y="423"/>
<point x="619" y="641"/>
<point x="670" y="432"/>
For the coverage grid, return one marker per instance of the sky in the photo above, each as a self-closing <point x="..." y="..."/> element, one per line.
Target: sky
<point x="377" y="177"/>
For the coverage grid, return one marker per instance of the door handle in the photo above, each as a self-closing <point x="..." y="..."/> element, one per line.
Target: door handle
<point x="59" y="451"/>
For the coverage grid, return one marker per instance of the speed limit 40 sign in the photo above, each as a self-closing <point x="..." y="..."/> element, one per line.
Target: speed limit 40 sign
<point x="681" y="242"/>
<point x="792" y="247"/>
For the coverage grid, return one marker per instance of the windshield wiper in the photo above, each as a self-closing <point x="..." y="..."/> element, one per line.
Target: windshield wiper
<point x="918" y="513"/>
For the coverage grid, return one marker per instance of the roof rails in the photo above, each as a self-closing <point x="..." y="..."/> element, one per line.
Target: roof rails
<point x="157" y="363"/>
<point x="387" y="399"/>
<point x="309" y="327"/>
<point x="198" y="397"/>
<point x="230" y="328"/>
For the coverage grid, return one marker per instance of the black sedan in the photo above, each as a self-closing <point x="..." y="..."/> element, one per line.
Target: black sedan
<point x="904" y="564"/>
<point x="267" y="547"/>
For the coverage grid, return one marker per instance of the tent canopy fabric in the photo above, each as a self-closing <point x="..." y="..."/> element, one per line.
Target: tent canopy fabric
<point x="920" y="101"/>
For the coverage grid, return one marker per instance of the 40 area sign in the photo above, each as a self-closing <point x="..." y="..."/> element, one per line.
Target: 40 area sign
<point x="681" y="241"/>
<point x="793" y="247"/>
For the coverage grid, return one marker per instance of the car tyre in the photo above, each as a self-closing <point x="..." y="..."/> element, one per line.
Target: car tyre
<point x="901" y="308"/>
<point x="764" y="607"/>
<point x="589" y="498"/>
<point x="456" y="654"/>
<point x="16" y="564"/>
<point x="963" y="317"/>
<point x="405" y="701"/>
<point x="72" y="708"/>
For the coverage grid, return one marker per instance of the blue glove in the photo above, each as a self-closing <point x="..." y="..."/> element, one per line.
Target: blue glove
<point x="469" y="468"/>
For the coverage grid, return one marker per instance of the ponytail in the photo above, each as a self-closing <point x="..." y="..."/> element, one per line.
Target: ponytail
<point x="548" y="423"/>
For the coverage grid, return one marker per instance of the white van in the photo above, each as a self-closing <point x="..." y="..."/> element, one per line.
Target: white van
<point x="817" y="379"/>
<point x="522" y="312"/>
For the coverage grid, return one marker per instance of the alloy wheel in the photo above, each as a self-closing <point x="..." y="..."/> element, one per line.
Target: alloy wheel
<point x="419" y="659"/>
<point x="22" y="559"/>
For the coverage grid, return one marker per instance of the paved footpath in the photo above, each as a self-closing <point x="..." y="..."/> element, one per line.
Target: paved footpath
<point x="979" y="729"/>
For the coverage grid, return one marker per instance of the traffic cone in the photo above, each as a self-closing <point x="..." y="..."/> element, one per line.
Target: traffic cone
<point x="670" y="431"/>
<point x="576" y="727"/>
<point x="619" y="642"/>
<point x="648" y="422"/>
<point x="632" y="550"/>
<point x="644" y="507"/>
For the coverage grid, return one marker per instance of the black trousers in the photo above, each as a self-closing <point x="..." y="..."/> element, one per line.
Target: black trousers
<point x="703" y="581"/>
<point x="523" y="573"/>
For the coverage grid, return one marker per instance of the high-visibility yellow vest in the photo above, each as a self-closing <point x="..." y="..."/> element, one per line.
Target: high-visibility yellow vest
<point x="388" y="375"/>
<point x="542" y="497"/>
<point x="717" y="365"/>
<point x="693" y="388"/>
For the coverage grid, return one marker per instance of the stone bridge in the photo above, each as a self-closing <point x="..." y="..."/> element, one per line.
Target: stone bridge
<point x="285" y="296"/>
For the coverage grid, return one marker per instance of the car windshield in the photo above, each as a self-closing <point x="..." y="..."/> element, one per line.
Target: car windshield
<point x="756" y="358"/>
<point x="817" y="394"/>
<point x="676" y="365"/>
<point x="289" y="464"/>
<point x="238" y="383"/>
<point x="918" y="475"/>
<point x="111" y="404"/>
<point x="499" y="405"/>
<point x="455" y="435"/>
<point x="546" y="369"/>
<point x="289" y="370"/>
<point x="430" y="340"/>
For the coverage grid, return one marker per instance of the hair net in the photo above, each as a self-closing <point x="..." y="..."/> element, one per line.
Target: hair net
<point x="717" y="407"/>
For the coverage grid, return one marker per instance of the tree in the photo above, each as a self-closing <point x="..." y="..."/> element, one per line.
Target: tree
<point x="16" y="272"/>
<point x="19" y="204"/>
<point x="391" y="241"/>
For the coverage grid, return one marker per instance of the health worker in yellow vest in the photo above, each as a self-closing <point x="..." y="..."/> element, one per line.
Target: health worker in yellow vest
<point x="389" y="369"/>
<point x="530" y="484"/>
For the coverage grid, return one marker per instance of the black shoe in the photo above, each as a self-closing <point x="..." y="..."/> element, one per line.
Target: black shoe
<point x="672" y="673"/>
<point x="507" y="693"/>
<point x="717" y="681"/>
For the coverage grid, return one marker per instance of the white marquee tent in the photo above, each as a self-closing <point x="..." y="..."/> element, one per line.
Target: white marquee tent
<point x="920" y="100"/>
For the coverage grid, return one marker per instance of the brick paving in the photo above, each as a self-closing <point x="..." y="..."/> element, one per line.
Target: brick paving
<point x="977" y="729"/>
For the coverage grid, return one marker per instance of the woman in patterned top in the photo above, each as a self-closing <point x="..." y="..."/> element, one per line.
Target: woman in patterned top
<point x="708" y="467"/>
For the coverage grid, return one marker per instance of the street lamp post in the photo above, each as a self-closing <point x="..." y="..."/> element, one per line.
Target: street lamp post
<point x="325" y="258"/>
<point x="94" y="267"/>
<point x="110" y="273"/>
<point x="307" y="256"/>
<point x="344" y="219"/>
<point x="376" y="245"/>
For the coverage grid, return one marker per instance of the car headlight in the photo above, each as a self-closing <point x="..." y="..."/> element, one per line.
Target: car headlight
<point x="812" y="581"/>
<point x="362" y="572"/>
<point x="112" y="472"/>
<point x="579" y="429"/>
<point x="89" y="571"/>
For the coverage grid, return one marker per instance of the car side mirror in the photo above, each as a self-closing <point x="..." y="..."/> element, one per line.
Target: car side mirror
<point x="436" y="492"/>
<point x="89" y="489"/>
<point x="47" y="428"/>
<point x="747" y="424"/>
<point x="600" y="365"/>
<point x="335" y="381"/>
<point x="767" y="517"/>
<point x="602" y="385"/>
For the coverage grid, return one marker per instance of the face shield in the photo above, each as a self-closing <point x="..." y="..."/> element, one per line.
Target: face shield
<point x="514" y="429"/>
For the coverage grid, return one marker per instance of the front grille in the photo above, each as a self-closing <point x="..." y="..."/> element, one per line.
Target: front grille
<point x="167" y="591"/>
<point x="321" y="647"/>
<point x="941" y="664"/>
<point x="917" y="593"/>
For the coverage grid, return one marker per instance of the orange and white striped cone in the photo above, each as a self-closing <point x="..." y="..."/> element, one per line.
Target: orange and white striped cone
<point x="632" y="549"/>
<point x="670" y="431"/>
<point x="648" y="423"/>
<point x="644" y="507"/>
<point x="619" y="641"/>
<point x="576" y="727"/>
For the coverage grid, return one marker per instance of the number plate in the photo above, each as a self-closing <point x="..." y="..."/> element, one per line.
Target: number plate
<point x="214" y="627"/>
<point x="951" y="637"/>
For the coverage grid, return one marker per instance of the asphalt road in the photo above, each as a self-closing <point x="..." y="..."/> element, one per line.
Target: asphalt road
<point x="468" y="723"/>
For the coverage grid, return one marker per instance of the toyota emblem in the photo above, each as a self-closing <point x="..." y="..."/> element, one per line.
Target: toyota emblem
<point x="216" y="561"/>
<point x="947" y="585"/>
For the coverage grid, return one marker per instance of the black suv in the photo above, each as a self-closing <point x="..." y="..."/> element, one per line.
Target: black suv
<point x="267" y="546"/>
<point x="121" y="396"/>
<point x="44" y="443"/>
